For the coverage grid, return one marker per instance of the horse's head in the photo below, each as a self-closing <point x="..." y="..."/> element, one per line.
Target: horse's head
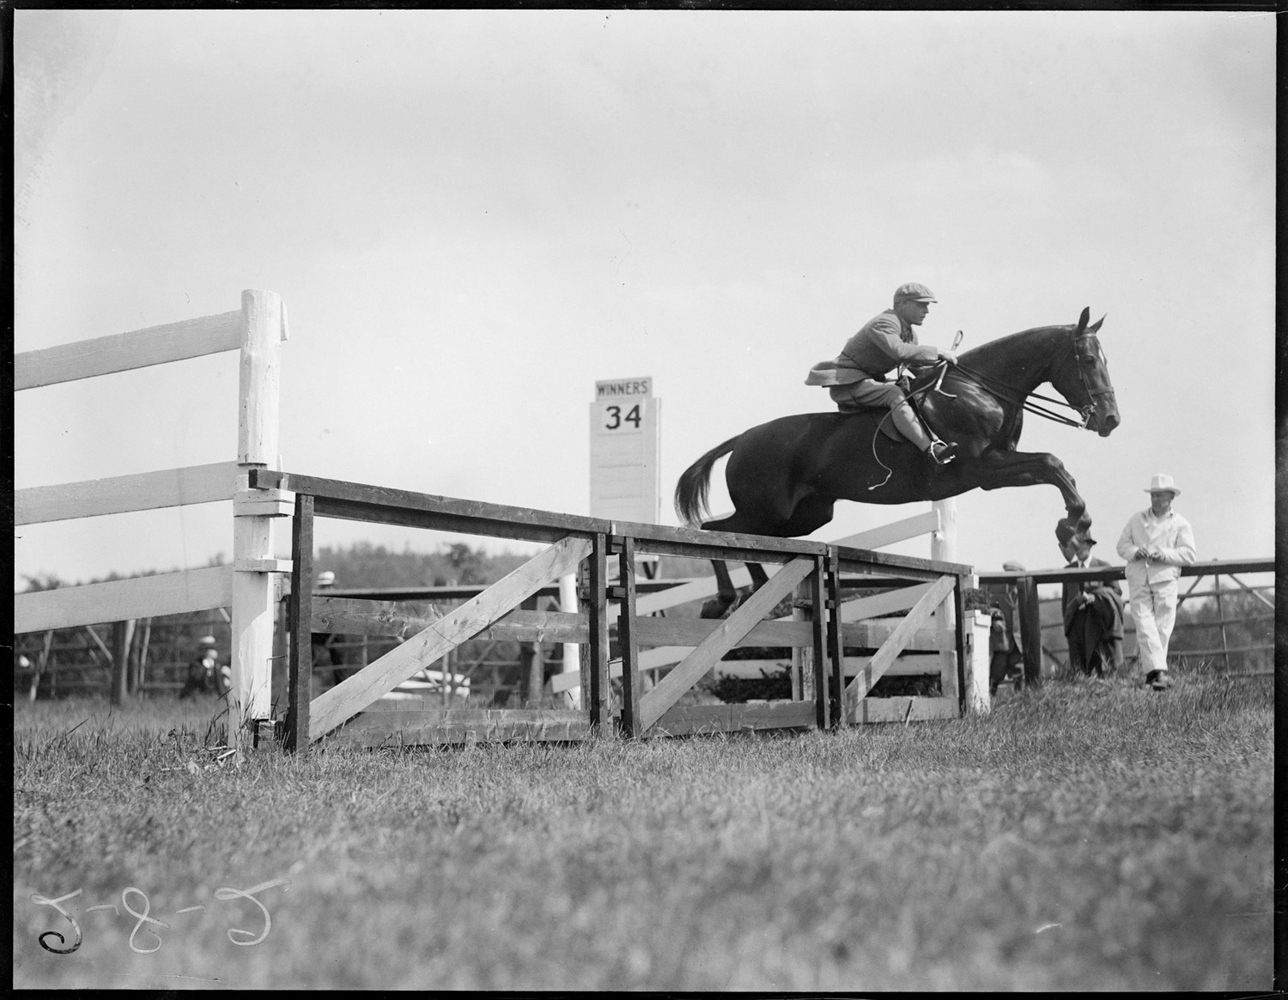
<point x="1082" y="378"/>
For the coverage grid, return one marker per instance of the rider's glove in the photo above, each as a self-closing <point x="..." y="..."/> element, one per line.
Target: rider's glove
<point x="950" y="356"/>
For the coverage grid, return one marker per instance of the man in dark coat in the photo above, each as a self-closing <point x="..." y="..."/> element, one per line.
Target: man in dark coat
<point x="1093" y="611"/>
<point x="1006" y="645"/>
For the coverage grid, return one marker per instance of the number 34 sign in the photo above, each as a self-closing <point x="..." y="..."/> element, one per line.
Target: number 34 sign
<point x="624" y="451"/>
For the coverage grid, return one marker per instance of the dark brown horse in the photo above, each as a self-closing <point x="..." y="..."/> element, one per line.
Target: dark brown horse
<point x="785" y="476"/>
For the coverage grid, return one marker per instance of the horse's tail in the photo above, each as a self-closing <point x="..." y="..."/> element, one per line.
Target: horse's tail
<point x="695" y="484"/>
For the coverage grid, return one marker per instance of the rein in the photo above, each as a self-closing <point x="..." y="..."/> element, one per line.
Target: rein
<point x="990" y="384"/>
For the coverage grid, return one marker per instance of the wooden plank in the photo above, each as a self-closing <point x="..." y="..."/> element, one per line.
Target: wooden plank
<point x="874" y="635"/>
<point x="729" y="631"/>
<point x="694" y="590"/>
<point x="361" y="501"/>
<point x="818" y="624"/>
<point x="387" y="618"/>
<point x="299" y="691"/>
<point x="596" y="692"/>
<point x="912" y="709"/>
<point x="120" y="352"/>
<point x="117" y="494"/>
<point x="1213" y="567"/>
<point x="692" y="631"/>
<point x="354" y="693"/>
<point x="690" y="720"/>
<point x="460" y="725"/>
<point x="835" y="653"/>
<point x="141" y="597"/>
<point x="895" y="531"/>
<point x="898" y="639"/>
<point x="905" y="665"/>
<point x="632" y="679"/>
<point x="889" y="603"/>
<point x="852" y="559"/>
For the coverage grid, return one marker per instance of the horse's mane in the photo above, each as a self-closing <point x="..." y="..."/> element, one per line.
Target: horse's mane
<point x="1008" y="342"/>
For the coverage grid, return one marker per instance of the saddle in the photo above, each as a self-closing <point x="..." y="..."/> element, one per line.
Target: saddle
<point x="914" y="388"/>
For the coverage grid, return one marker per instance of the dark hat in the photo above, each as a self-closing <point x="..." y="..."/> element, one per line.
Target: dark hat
<point x="1064" y="534"/>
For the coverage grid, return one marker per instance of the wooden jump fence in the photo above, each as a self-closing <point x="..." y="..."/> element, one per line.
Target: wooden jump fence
<point x="848" y="644"/>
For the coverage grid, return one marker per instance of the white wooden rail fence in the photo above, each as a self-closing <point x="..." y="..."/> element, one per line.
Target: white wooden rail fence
<point x="247" y="587"/>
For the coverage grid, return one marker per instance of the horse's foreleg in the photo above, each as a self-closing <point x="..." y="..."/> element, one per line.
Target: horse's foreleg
<point x="1037" y="468"/>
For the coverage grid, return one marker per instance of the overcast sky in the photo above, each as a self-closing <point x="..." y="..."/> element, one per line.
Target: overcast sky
<point x="473" y="216"/>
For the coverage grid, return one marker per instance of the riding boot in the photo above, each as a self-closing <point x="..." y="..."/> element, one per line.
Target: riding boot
<point x="941" y="452"/>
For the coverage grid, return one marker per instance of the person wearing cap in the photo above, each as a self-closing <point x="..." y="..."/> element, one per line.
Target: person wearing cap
<point x="205" y="674"/>
<point x="1156" y="543"/>
<point x="1005" y="643"/>
<point x="1093" y="610"/>
<point x="325" y="654"/>
<point x="856" y="378"/>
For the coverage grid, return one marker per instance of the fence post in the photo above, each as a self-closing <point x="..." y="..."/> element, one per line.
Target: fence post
<point x="122" y="634"/>
<point x="300" y="616"/>
<point x="530" y="668"/>
<point x="263" y="329"/>
<point x="632" y="682"/>
<point x="595" y="674"/>
<point x="1220" y="616"/>
<point x="977" y="633"/>
<point x="1030" y="629"/>
<point x="571" y="651"/>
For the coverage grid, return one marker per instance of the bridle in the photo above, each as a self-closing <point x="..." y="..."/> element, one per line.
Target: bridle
<point x="1081" y="349"/>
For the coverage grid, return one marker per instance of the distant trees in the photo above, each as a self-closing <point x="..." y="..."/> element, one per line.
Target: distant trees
<point x="367" y="565"/>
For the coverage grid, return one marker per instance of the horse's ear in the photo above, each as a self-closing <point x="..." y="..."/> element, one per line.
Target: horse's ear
<point x="1095" y="327"/>
<point x="1082" y="321"/>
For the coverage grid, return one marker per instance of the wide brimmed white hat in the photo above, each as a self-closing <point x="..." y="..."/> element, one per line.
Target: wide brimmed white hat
<point x="1162" y="481"/>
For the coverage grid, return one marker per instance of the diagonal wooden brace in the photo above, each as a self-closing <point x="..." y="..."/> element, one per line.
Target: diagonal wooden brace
<point x="655" y="703"/>
<point x="894" y="645"/>
<point x="355" y="693"/>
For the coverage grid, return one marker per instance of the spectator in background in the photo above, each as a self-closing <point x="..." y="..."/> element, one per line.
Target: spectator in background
<point x="1006" y="648"/>
<point x="1093" y="610"/>
<point x="325" y="654"/>
<point x="1156" y="543"/>
<point x="206" y="675"/>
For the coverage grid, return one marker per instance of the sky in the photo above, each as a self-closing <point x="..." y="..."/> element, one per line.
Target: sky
<point x="473" y="216"/>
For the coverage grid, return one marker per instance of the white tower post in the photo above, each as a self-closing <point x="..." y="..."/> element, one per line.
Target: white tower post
<point x="254" y="593"/>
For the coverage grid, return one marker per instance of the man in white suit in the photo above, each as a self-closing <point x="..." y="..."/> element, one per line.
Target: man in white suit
<point x="1156" y="543"/>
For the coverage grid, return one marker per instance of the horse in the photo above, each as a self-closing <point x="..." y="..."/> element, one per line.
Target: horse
<point x="785" y="476"/>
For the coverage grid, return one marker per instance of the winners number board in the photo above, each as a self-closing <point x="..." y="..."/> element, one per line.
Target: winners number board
<point x="624" y="451"/>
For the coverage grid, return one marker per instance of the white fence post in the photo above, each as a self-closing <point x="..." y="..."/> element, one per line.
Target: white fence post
<point x="571" y="650"/>
<point x="978" y="655"/>
<point x="253" y="604"/>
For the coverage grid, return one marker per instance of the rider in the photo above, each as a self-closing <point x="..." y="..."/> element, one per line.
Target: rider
<point x="856" y="377"/>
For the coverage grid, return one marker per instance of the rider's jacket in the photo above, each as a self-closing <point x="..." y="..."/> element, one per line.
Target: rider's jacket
<point x="884" y="342"/>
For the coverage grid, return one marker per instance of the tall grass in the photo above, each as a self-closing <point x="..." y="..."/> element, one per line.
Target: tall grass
<point x="1084" y="836"/>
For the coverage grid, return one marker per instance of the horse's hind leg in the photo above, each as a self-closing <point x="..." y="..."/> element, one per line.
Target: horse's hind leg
<point x="726" y="593"/>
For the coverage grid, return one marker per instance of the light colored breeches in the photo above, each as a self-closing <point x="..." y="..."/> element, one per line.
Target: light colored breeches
<point x="870" y="392"/>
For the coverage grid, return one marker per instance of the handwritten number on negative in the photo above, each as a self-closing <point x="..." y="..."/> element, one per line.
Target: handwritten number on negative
<point x="57" y="905"/>
<point x="226" y="893"/>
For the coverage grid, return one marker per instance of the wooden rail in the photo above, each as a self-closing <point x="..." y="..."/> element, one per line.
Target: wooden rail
<point x="1031" y="627"/>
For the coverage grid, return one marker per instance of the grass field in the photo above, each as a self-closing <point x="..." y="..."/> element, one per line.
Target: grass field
<point x="1086" y="836"/>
